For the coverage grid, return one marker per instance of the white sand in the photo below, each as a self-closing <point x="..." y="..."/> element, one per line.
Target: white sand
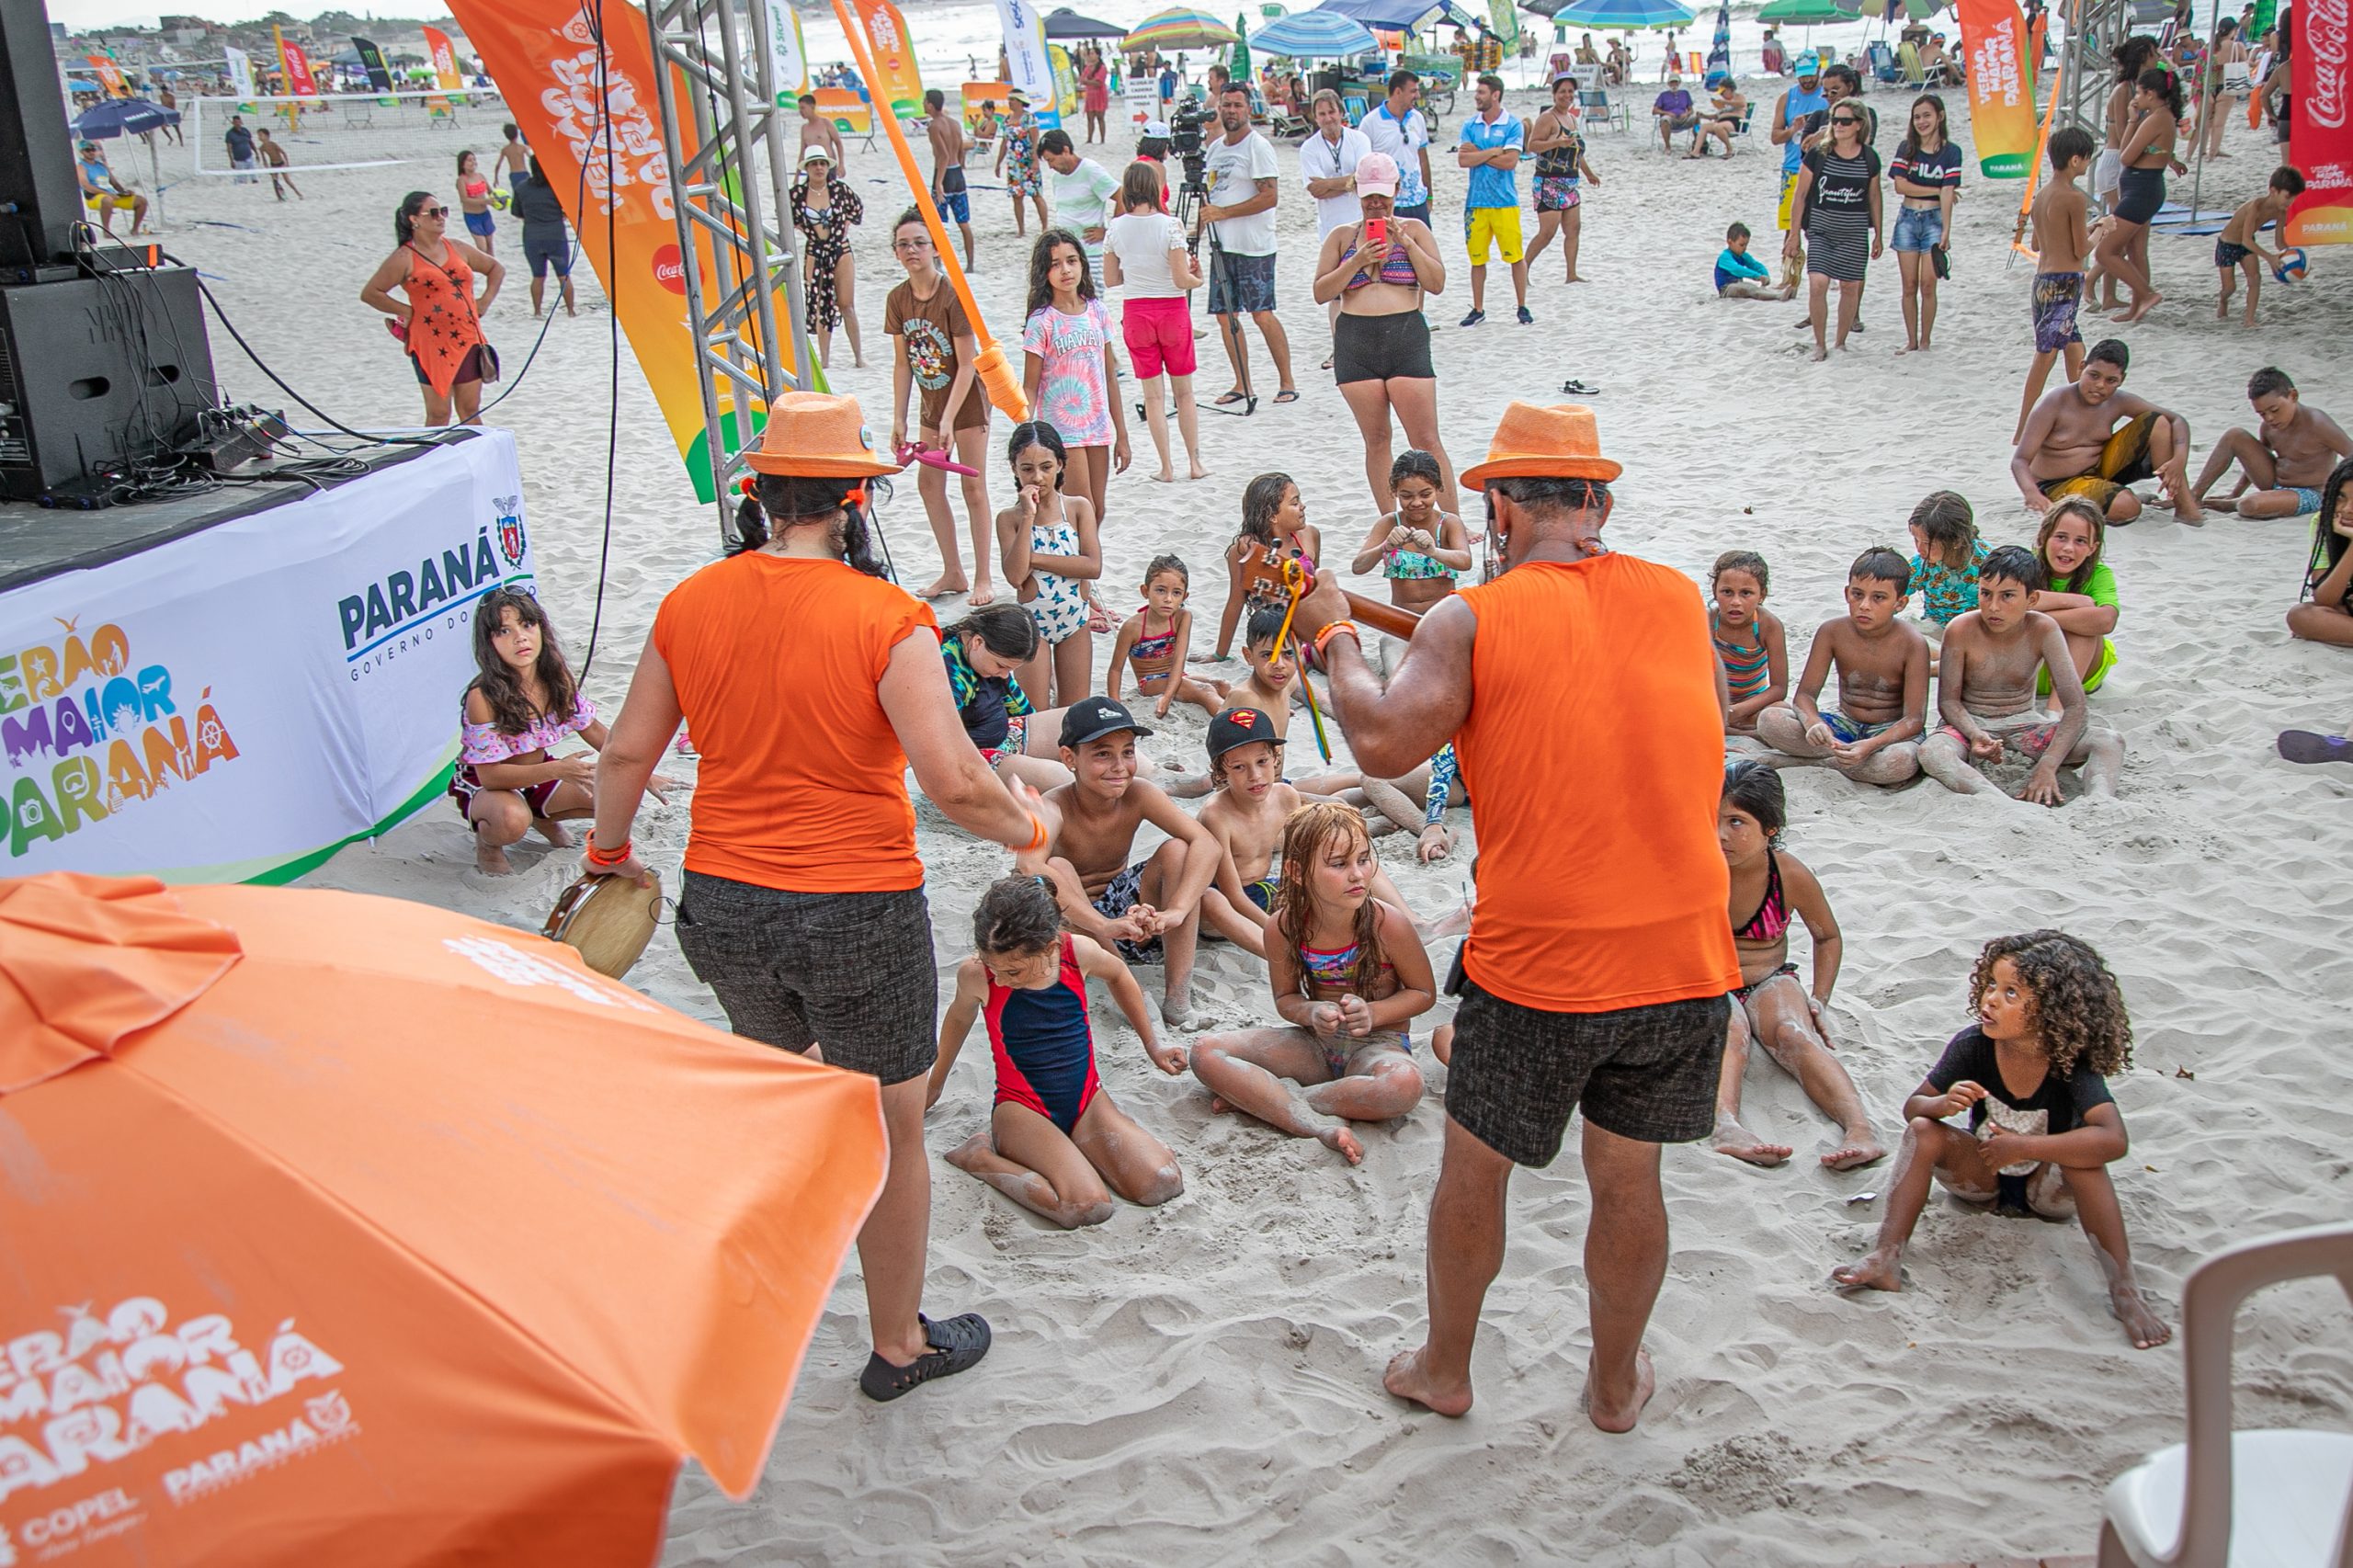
<point x="1202" y="1382"/>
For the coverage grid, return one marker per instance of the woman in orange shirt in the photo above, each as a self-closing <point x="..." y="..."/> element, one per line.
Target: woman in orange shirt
<point x="441" y="322"/>
<point x="810" y="682"/>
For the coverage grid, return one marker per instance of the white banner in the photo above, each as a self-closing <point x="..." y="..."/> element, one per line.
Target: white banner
<point x="787" y="53"/>
<point x="1029" y="64"/>
<point x="236" y="704"/>
<point x="241" y="72"/>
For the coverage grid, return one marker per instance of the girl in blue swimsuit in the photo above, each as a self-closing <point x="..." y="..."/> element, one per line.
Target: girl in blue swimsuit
<point x="1348" y="974"/>
<point x="1055" y="1144"/>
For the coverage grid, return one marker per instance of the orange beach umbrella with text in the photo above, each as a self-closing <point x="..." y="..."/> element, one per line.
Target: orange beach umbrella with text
<point x="344" y="1230"/>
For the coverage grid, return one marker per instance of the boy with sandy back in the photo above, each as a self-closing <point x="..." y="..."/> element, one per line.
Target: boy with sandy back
<point x="1247" y="814"/>
<point x="1150" y="912"/>
<point x="2284" y="461"/>
<point x="2238" y="249"/>
<point x="1993" y="657"/>
<point x="2061" y="241"/>
<point x="1873" y="734"/>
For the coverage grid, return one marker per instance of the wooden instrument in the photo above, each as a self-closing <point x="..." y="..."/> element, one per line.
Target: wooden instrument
<point x="1262" y="576"/>
<point x="608" y="919"/>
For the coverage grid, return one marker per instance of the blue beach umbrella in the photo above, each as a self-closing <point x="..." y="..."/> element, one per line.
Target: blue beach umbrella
<point x="1719" y="51"/>
<point x="1604" y="13"/>
<point x="117" y="117"/>
<point x="1317" y="35"/>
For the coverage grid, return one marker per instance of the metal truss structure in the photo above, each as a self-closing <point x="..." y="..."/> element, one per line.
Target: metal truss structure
<point x="731" y="196"/>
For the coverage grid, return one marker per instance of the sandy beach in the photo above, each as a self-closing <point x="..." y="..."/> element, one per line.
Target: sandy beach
<point x="1202" y="1382"/>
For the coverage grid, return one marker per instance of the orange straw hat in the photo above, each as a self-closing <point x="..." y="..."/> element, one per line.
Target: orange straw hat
<point x="818" y="436"/>
<point x="1560" y="442"/>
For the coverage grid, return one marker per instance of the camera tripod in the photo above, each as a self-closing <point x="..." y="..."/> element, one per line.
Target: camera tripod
<point x="1187" y="215"/>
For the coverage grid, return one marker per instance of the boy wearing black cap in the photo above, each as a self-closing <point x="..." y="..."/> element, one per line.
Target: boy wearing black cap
<point x="1150" y="912"/>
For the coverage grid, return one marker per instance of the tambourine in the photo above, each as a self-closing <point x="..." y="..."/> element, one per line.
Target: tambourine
<point x="608" y="919"/>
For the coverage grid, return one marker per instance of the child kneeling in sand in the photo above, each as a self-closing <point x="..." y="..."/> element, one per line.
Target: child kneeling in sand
<point x="1055" y="1142"/>
<point x="2032" y="1076"/>
<point x="1994" y="658"/>
<point x="1149" y="912"/>
<point x="1771" y="1009"/>
<point x="1348" y="974"/>
<point x="1159" y="655"/>
<point x="1872" y="736"/>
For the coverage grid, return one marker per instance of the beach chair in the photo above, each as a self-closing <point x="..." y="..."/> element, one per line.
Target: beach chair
<point x="1883" y="64"/>
<point x="1354" y="107"/>
<point x="2230" y="1499"/>
<point x="851" y="115"/>
<point x="983" y="109"/>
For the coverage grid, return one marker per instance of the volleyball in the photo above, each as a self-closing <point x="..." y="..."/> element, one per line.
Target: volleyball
<point x="2291" y="266"/>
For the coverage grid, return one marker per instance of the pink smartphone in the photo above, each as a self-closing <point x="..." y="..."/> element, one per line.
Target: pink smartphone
<point x="1375" y="230"/>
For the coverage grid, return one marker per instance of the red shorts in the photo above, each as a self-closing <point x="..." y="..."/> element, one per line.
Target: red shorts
<point x="1159" y="335"/>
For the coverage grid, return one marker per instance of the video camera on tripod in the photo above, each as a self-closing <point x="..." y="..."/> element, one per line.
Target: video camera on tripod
<point x="1188" y="145"/>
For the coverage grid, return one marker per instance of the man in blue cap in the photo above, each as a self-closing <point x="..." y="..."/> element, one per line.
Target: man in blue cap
<point x="1789" y="112"/>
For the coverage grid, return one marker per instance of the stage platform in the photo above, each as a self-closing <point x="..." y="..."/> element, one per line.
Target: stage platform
<point x="39" y="542"/>
<point x="231" y="687"/>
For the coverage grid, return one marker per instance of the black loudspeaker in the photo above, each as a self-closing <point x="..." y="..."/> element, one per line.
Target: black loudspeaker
<point x="96" y="374"/>
<point x="40" y="199"/>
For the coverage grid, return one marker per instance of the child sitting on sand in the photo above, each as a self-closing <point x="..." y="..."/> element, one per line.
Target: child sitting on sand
<point x="1274" y="529"/>
<point x="2326" y="614"/>
<point x="2032" y="1073"/>
<point x="1994" y="657"/>
<point x="1159" y="652"/>
<point x="1050" y="553"/>
<point x="1740" y="276"/>
<point x="1055" y="1142"/>
<point x="1247" y="814"/>
<point x="1873" y="735"/>
<point x="2284" y="461"/>
<point x="522" y="703"/>
<point x="1770" y="1007"/>
<point x="1150" y="912"/>
<point x="2082" y="593"/>
<point x="1349" y="976"/>
<point x="2237" y="248"/>
<point x="1750" y="643"/>
<point x="1947" y="557"/>
<point x="1420" y="546"/>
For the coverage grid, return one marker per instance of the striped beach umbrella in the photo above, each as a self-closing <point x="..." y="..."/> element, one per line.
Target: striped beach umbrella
<point x="1178" y="28"/>
<point x="1625" y="13"/>
<point x="1317" y="35"/>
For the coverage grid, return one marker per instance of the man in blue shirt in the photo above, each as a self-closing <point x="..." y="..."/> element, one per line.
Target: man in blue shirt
<point x="1789" y="114"/>
<point x="1492" y="140"/>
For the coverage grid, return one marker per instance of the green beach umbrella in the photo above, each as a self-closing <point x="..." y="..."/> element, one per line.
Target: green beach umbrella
<point x="1805" y="13"/>
<point x="1240" y="64"/>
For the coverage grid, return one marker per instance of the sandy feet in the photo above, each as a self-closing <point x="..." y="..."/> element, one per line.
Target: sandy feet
<point x="2142" y="1326"/>
<point x="1881" y="1270"/>
<point x="490" y="861"/>
<point x="554" y="832"/>
<point x="1342" y="1142"/>
<point x="1732" y="1138"/>
<point x="1613" y="1415"/>
<point x="1859" y="1149"/>
<point x="1409" y="1380"/>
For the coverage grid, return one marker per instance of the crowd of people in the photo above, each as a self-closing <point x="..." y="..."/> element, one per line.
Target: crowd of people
<point x="1623" y="961"/>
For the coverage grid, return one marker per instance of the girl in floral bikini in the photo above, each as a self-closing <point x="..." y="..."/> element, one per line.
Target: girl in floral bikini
<point x="1159" y="656"/>
<point x="1349" y="976"/>
<point x="521" y="706"/>
<point x="1419" y="547"/>
<point x="1051" y="552"/>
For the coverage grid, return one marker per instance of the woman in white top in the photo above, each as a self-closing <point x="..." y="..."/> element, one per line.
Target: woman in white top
<point x="2229" y="75"/>
<point x="1144" y="256"/>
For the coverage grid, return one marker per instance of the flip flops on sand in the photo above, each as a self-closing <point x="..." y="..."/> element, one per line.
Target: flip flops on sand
<point x="956" y="1346"/>
<point x="2303" y="745"/>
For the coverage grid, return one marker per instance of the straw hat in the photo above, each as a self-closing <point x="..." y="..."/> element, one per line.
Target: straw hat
<point x="818" y="436"/>
<point x="1560" y="442"/>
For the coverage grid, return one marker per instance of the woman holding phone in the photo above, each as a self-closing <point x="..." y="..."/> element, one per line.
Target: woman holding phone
<point x="1379" y="269"/>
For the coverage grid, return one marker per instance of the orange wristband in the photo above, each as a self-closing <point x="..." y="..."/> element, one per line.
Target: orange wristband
<point x="1325" y="635"/>
<point x="596" y="857"/>
<point x="1037" y="838"/>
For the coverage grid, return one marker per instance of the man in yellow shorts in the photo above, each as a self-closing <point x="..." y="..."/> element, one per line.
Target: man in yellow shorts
<point x="1492" y="141"/>
<point x="107" y="195"/>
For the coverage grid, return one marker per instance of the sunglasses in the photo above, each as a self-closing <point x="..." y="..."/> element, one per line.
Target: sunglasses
<point x="1844" y="120"/>
<point x="433" y="212"/>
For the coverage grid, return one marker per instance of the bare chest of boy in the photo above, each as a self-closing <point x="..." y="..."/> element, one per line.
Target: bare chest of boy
<point x="1096" y="841"/>
<point x="1253" y="830"/>
<point x="1998" y="676"/>
<point x="1871" y="675"/>
<point x="2306" y="457"/>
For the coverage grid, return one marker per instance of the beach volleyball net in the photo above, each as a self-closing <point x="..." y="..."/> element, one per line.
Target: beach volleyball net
<point x="347" y="131"/>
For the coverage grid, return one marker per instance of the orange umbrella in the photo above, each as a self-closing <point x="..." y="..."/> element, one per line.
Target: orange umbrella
<point x="344" y="1230"/>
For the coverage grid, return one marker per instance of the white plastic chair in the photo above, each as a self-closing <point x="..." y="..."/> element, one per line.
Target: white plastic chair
<point x="2225" y="1499"/>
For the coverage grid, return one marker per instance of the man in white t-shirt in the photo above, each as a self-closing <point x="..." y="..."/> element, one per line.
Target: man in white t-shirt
<point x="1079" y="193"/>
<point x="1396" y="127"/>
<point x="1328" y="161"/>
<point x="1240" y="216"/>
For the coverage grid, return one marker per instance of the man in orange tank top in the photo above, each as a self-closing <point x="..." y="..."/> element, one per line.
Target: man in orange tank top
<point x="1595" y="972"/>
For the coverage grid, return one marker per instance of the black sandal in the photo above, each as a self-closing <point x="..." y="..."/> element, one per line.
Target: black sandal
<point x="956" y="1345"/>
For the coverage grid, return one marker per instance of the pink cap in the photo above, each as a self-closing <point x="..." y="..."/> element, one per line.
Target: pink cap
<point x="1377" y="175"/>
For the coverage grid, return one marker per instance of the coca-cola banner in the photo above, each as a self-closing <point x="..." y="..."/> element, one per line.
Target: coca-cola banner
<point x="2320" y="138"/>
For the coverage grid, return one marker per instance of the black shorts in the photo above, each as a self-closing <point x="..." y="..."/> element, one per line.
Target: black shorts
<point x="850" y="971"/>
<point x="1648" y="1074"/>
<point x="545" y="246"/>
<point x="2139" y="194"/>
<point x="469" y="369"/>
<point x="1375" y="348"/>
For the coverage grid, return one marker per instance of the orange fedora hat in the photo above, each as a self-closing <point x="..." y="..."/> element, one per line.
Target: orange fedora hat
<point x="818" y="436"/>
<point x="1560" y="442"/>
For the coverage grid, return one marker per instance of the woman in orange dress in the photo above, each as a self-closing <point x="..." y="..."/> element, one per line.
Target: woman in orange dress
<point x="441" y="322"/>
